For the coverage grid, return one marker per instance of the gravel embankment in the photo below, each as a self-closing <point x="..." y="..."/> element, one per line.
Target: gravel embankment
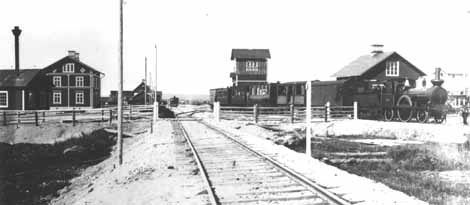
<point x="155" y="170"/>
<point x="351" y="187"/>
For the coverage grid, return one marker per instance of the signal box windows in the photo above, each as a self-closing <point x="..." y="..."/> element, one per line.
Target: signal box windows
<point x="252" y="66"/>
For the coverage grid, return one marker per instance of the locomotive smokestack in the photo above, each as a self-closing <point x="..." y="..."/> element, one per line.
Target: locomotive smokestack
<point x="437" y="81"/>
<point x="16" y="32"/>
<point x="437" y="74"/>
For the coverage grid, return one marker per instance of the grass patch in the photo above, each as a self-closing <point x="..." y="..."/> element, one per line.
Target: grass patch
<point x="33" y="173"/>
<point x="411" y="168"/>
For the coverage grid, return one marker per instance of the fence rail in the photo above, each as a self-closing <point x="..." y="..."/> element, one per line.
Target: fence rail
<point x="286" y="113"/>
<point x="37" y="117"/>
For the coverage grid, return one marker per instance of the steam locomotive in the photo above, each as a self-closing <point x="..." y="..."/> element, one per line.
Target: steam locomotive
<point x="386" y="100"/>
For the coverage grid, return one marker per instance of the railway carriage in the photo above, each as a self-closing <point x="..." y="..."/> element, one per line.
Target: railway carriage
<point x="290" y="93"/>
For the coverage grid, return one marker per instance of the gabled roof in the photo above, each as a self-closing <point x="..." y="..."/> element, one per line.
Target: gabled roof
<point x="75" y="61"/>
<point x="250" y="54"/>
<point x="362" y="65"/>
<point x="141" y="86"/>
<point x="9" y="78"/>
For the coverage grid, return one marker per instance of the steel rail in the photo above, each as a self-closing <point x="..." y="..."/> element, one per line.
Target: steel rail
<point x="212" y="197"/>
<point x="312" y="186"/>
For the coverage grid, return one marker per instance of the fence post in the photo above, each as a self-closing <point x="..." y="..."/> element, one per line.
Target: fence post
<point x="36" y="118"/>
<point x="327" y="110"/>
<point x="5" y="118"/>
<point x="255" y="113"/>
<point x="308" y="120"/>
<point x="291" y="113"/>
<point x="130" y="112"/>
<point x="214" y="111"/>
<point x="73" y="117"/>
<point x="217" y="111"/>
<point x="110" y="116"/>
<point x="355" y="110"/>
<point x="18" y="119"/>
<point x="44" y="116"/>
<point x="151" y="126"/>
<point x="102" y="115"/>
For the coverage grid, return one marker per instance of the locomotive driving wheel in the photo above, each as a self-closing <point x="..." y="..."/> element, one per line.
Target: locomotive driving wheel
<point x="404" y="111"/>
<point x="388" y="114"/>
<point x="422" y="115"/>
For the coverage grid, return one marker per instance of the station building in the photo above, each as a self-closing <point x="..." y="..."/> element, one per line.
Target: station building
<point x="74" y="84"/>
<point x="68" y="83"/>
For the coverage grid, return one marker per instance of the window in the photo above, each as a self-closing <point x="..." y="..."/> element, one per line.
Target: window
<point x="259" y="90"/>
<point x="252" y="66"/>
<point x="79" y="81"/>
<point x="3" y="98"/>
<point x="68" y="68"/>
<point x="79" y="98"/>
<point x="282" y="90"/>
<point x="57" y="81"/>
<point x="392" y="68"/>
<point x="97" y="83"/>
<point x="299" y="89"/>
<point x="57" y="98"/>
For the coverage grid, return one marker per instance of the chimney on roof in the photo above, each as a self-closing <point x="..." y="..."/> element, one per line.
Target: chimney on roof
<point x="75" y="55"/>
<point x="377" y="49"/>
<point x="16" y="32"/>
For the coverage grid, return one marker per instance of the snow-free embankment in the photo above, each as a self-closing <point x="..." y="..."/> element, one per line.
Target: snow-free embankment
<point x="157" y="169"/>
<point x="46" y="133"/>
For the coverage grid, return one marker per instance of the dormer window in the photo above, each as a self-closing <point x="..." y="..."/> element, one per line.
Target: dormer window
<point x="251" y="66"/>
<point x="68" y="68"/>
<point x="392" y="68"/>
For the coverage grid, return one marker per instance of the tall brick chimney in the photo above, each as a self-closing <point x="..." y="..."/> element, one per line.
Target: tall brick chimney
<point x="16" y="32"/>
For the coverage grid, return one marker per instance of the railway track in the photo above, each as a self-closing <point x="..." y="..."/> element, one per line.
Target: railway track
<point x="236" y="174"/>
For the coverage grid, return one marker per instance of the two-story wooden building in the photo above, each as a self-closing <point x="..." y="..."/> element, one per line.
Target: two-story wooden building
<point x="73" y="83"/>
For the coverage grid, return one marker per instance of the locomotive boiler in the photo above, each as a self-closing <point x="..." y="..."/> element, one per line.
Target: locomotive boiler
<point x="421" y="104"/>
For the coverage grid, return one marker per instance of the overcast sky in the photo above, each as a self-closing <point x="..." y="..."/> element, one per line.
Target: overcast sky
<point x="307" y="39"/>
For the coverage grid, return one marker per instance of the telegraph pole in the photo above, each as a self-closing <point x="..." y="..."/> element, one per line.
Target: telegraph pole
<point x="119" y="123"/>
<point x="145" y="82"/>
<point x="155" y="104"/>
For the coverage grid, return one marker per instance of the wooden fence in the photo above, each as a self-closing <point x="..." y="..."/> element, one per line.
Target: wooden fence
<point x="37" y="117"/>
<point x="290" y="113"/>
